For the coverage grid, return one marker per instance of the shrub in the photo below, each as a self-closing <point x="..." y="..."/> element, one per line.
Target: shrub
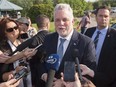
<point x="46" y="9"/>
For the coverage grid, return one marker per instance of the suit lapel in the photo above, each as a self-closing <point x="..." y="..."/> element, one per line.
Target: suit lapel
<point x="55" y="40"/>
<point x="90" y="32"/>
<point x="68" y="55"/>
<point x="105" y="47"/>
<point x="74" y="41"/>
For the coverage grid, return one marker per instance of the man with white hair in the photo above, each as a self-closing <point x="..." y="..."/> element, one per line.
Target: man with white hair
<point x="64" y="20"/>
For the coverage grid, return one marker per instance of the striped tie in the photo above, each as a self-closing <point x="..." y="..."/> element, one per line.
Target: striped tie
<point x="96" y="38"/>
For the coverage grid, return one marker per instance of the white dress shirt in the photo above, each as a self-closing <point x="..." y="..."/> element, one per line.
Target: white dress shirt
<point x="66" y="43"/>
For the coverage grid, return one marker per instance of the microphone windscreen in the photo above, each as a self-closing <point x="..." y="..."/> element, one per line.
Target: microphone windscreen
<point x="24" y="45"/>
<point x="53" y="62"/>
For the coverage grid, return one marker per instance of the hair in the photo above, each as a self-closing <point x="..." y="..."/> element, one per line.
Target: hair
<point x="3" y="27"/>
<point x="102" y="7"/>
<point x="42" y="21"/>
<point x="63" y="6"/>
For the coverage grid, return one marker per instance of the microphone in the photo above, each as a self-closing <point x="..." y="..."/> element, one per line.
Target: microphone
<point x="31" y="42"/>
<point x="22" y="46"/>
<point x="52" y="64"/>
<point x="75" y="55"/>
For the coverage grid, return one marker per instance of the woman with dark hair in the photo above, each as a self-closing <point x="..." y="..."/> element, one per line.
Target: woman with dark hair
<point x="5" y="28"/>
<point x="9" y="41"/>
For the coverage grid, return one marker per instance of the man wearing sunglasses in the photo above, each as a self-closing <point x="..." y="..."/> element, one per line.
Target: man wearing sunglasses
<point x="23" y="27"/>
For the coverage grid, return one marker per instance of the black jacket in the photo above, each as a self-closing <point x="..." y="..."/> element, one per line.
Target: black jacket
<point x="105" y="76"/>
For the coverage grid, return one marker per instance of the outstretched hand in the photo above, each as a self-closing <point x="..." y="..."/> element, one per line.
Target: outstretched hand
<point x="86" y="70"/>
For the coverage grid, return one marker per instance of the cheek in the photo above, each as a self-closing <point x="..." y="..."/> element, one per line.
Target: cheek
<point x="17" y="32"/>
<point x="98" y="20"/>
<point x="108" y="19"/>
<point x="69" y="24"/>
<point x="8" y="35"/>
<point x="56" y="24"/>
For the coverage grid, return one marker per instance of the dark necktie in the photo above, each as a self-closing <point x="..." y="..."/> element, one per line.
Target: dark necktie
<point x="61" y="48"/>
<point x="96" y="38"/>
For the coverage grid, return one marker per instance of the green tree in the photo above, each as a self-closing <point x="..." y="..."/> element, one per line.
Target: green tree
<point x="110" y="3"/>
<point x="79" y="6"/>
<point x="25" y="4"/>
<point x="35" y="10"/>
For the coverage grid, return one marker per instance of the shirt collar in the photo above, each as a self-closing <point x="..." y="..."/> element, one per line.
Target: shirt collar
<point x="103" y="31"/>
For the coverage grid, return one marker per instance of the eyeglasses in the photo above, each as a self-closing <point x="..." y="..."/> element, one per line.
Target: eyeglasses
<point x="11" y="29"/>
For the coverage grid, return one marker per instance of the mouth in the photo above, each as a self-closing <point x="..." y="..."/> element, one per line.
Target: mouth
<point x="61" y="28"/>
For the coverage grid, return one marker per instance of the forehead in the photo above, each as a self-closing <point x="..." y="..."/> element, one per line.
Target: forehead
<point x="103" y="11"/>
<point x="10" y="24"/>
<point x="62" y="14"/>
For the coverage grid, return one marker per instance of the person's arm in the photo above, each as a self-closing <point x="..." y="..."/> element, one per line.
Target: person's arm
<point x="86" y="70"/>
<point x="6" y="75"/>
<point x="89" y="57"/>
<point x="13" y="58"/>
<point x="3" y="57"/>
<point x="23" y="54"/>
<point x="10" y="83"/>
<point x="99" y="77"/>
<point x="88" y="20"/>
<point x="79" y="25"/>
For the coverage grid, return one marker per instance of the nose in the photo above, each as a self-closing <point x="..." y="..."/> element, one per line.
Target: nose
<point x="61" y="22"/>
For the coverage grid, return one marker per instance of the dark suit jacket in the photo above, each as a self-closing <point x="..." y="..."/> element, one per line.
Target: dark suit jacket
<point x="35" y="61"/>
<point x="78" y="41"/>
<point x="105" y="76"/>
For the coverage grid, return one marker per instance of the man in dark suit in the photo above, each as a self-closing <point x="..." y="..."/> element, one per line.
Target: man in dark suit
<point x="63" y="18"/>
<point x="43" y="24"/>
<point x="105" y="75"/>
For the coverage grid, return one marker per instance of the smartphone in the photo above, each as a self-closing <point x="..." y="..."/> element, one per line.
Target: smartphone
<point x="24" y="36"/>
<point x="69" y="71"/>
<point x="23" y="72"/>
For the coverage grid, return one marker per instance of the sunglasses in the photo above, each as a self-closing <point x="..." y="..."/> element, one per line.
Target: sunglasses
<point x="11" y="29"/>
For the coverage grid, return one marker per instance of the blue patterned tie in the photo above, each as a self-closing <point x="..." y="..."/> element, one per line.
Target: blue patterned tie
<point x="61" y="48"/>
<point x="96" y="38"/>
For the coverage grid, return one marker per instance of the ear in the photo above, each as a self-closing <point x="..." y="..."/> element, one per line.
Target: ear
<point x="48" y="25"/>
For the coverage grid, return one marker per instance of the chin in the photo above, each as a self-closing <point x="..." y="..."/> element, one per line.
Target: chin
<point x="62" y="34"/>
